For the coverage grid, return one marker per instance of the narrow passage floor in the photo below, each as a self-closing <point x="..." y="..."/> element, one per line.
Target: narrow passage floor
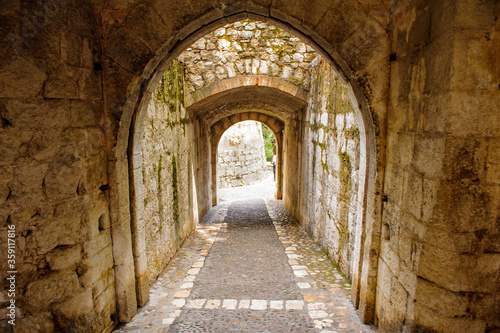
<point x="249" y="267"/>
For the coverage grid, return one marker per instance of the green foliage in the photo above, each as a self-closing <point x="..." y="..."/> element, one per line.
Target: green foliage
<point x="269" y="142"/>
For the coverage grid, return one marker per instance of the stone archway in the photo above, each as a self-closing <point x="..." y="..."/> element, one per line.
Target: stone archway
<point x="365" y="278"/>
<point x="218" y="129"/>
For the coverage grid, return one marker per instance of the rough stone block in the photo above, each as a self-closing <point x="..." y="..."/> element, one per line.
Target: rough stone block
<point x="22" y="78"/>
<point x="493" y="161"/>
<point x="38" y="113"/>
<point x="62" y="82"/>
<point x="432" y="320"/>
<point x="458" y="272"/>
<point x="482" y="122"/>
<point x="428" y="154"/>
<point x="55" y="287"/>
<point x="65" y="230"/>
<point x="35" y="323"/>
<point x="78" y="310"/>
<point x="441" y="300"/>
<point x="97" y="243"/>
<point x="62" y="258"/>
<point x="95" y="267"/>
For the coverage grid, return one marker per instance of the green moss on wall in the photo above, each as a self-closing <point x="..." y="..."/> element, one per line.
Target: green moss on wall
<point x="175" y="203"/>
<point x="170" y="89"/>
<point x="160" y="194"/>
<point x="345" y="176"/>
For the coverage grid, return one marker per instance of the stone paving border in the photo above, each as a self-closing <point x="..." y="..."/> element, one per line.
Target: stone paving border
<point x="168" y="294"/>
<point x="180" y="297"/>
<point x="327" y="300"/>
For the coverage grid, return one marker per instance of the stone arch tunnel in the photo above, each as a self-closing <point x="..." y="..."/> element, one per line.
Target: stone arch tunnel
<point x="86" y="86"/>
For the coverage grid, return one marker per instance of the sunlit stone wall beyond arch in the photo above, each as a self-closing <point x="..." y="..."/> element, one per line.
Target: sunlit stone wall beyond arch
<point x="241" y="157"/>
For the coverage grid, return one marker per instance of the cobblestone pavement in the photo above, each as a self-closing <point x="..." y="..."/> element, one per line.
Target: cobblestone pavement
<point x="249" y="267"/>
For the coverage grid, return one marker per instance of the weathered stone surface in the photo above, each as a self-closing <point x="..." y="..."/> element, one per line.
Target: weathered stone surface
<point x="64" y="258"/>
<point x="254" y="49"/>
<point x="27" y="75"/>
<point x="331" y="164"/>
<point x="168" y="183"/>
<point x="241" y="158"/>
<point x="55" y="287"/>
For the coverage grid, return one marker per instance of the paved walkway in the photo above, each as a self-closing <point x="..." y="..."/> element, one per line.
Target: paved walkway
<point x="249" y="267"/>
<point x="263" y="189"/>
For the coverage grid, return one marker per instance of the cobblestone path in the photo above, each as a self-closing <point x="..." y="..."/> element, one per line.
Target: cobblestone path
<point x="249" y="267"/>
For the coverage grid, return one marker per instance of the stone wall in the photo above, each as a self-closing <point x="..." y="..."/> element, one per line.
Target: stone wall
<point x="241" y="157"/>
<point x="247" y="48"/>
<point x="169" y="207"/>
<point x="440" y="247"/>
<point x="330" y="157"/>
<point x="54" y="184"/>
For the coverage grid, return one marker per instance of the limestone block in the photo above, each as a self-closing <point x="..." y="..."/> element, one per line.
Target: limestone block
<point x="89" y="84"/>
<point x="62" y="181"/>
<point x="38" y="113"/>
<point x="62" y="82"/>
<point x="95" y="267"/>
<point x="444" y="302"/>
<point x="474" y="62"/>
<point x="431" y="319"/>
<point x="85" y="113"/>
<point x="78" y="310"/>
<point x="237" y="46"/>
<point x="22" y="78"/>
<point x="97" y="243"/>
<point x="482" y="122"/>
<point x="493" y="162"/>
<point x="275" y="69"/>
<point x="287" y="72"/>
<point x="105" y="304"/>
<point x="55" y="287"/>
<point x="35" y="323"/>
<point x="64" y="230"/>
<point x="106" y="281"/>
<point x="475" y="15"/>
<point x="458" y="272"/>
<point x="220" y="72"/>
<point x="132" y="62"/>
<point x="62" y="258"/>
<point x="246" y="34"/>
<point x="400" y="149"/>
<point x="248" y="66"/>
<point x="224" y="44"/>
<point x="12" y="145"/>
<point x="264" y="67"/>
<point x="200" y="44"/>
<point x="413" y="191"/>
<point x="250" y="26"/>
<point x="300" y="47"/>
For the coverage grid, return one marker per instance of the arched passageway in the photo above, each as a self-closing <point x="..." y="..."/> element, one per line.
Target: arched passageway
<point x="308" y="154"/>
<point x="219" y="128"/>
<point x="76" y="81"/>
